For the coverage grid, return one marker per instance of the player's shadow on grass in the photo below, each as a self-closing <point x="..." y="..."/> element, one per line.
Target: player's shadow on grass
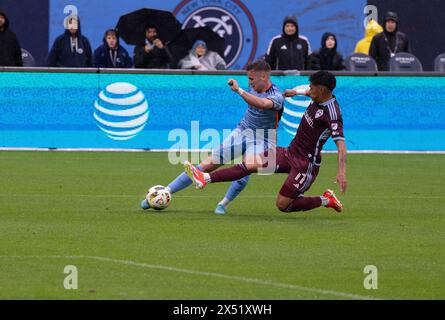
<point x="272" y="216"/>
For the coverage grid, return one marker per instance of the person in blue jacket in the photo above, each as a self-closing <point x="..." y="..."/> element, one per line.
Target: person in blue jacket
<point x="71" y="49"/>
<point x="110" y="54"/>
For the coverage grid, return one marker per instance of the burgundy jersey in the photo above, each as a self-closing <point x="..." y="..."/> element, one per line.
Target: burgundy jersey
<point x="320" y="121"/>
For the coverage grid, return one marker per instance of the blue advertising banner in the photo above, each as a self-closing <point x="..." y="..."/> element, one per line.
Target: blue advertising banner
<point x="246" y="25"/>
<point x="155" y="111"/>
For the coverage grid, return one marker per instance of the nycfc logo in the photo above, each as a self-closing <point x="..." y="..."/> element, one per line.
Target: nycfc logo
<point x="230" y="19"/>
<point x="294" y="110"/>
<point x="121" y="111"/>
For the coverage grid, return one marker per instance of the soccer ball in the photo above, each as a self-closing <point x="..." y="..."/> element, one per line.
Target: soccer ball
<point x="158" y="197"/>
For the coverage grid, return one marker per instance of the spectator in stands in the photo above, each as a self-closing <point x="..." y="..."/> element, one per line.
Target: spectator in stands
<point x="10" y="51"/>
<point x="372" y="28"/>
<point x="110" y="54"/>
<point x="200" y="58"/>
<point x="153" y="54"/>
<point x="290" y="50"/>
<point x="387" y="44"/>
<point x="71" y="49"/>
<point x="327" y="57"/>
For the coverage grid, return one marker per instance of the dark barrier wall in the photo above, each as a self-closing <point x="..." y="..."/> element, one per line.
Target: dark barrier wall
<point x="423" y="22"/>
<point x="29" y="19"/>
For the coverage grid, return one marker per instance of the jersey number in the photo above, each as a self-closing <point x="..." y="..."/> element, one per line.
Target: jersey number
<point x="300" y="179"/>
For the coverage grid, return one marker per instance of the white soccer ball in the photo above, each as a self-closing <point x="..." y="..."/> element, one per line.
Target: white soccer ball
<point x="158" y="197"/>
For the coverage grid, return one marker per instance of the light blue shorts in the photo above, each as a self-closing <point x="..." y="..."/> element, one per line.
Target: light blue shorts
<point x="244" y="143"/>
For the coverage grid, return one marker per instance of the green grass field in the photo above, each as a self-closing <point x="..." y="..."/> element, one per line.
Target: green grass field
<point x="82" y="209"/>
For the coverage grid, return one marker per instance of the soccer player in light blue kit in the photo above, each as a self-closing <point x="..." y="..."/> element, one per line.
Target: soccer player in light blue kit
<point x="254" y="135"/>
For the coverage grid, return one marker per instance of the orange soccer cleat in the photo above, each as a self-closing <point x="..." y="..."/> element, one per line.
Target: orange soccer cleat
<point x="334" y="203"/>
<point x="195" y="174"/>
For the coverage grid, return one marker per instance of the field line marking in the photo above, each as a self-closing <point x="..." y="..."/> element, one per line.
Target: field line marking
<point x="207" y="274"/>
<point x="201" y="196"/>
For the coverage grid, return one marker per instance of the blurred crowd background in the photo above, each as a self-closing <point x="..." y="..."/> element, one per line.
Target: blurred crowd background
<point x="353" y="35"/>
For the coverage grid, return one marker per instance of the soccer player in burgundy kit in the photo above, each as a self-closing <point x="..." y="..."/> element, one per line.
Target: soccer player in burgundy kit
<point x="302" y="159"/>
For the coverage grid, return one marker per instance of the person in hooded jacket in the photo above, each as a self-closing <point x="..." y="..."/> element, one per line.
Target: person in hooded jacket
<point x="10" y="51"/>
<point x="327" y="57"/>
<point x="290" y="50"/>
<point x="372" y="28"/>
<point x="200" y="58"/>
<point x="387" y="44"/>
<point x="110" y="54"/>
<point x="71" y="49"/>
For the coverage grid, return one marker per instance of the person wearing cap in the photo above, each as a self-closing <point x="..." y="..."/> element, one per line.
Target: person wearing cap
<point x="10" y="51"/>
<point x="200" y="58"/>
<point x="110" y="54"/>
<point x="388" y="43"/>
<point x="290" y="50"/>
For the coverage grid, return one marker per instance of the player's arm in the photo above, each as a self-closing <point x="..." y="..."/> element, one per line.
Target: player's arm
<point x="341" y="175"/>
<point x="260" y="103"/>
<point x="296" y="92"/>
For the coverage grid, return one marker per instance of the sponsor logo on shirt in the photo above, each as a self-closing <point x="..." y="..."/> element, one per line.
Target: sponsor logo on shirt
<point x="319" y="114"/>
<point x="309" y="120"/>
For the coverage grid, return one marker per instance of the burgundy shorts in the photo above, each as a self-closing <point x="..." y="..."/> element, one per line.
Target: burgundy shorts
<point x="302" y="173"/>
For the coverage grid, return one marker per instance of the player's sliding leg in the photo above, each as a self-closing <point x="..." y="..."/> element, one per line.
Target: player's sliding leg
<point x="234" y="190"/>
<point x="328" y="200"/>
<point x="201" y="179"/>
<point x="302" y="175"/>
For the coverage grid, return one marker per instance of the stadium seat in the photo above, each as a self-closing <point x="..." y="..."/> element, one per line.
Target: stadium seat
<point x="360" y="62"/>
<point x="28" y="59"/>
<point x="439" y="63"/>
<point x="405" y="62"/>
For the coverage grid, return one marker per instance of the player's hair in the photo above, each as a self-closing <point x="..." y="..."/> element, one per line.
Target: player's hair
<point x="259" y="65"/>
<point x="324" y="78"/>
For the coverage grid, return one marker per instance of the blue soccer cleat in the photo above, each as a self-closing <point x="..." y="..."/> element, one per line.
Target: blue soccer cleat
<point x="145" y="205"/>
<point x="220" y="209"/>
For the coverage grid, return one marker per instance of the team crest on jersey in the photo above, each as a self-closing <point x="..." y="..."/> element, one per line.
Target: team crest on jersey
<point x="230" y="19"/>
<point x="319" y="114"/>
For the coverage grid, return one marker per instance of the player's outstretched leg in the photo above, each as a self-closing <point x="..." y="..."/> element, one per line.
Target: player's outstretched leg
<point x="234" y="190"/>
<point x="180" y="183"/>
<point x="201" y="179"/>
<point x="328" y="200"/>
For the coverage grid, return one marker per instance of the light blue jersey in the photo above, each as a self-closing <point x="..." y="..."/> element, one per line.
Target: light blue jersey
<point x="255" y="118"/>
<point x="255" y="133"/>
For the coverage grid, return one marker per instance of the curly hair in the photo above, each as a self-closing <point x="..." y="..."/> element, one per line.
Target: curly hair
<point x="324" y="78"/>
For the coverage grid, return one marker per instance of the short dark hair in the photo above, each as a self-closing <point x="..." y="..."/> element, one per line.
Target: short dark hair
<point x="150" y="26"/>
<point x="324" y="78"/>
<point x="111" y="32"/>
<point x="259" y="65"/>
